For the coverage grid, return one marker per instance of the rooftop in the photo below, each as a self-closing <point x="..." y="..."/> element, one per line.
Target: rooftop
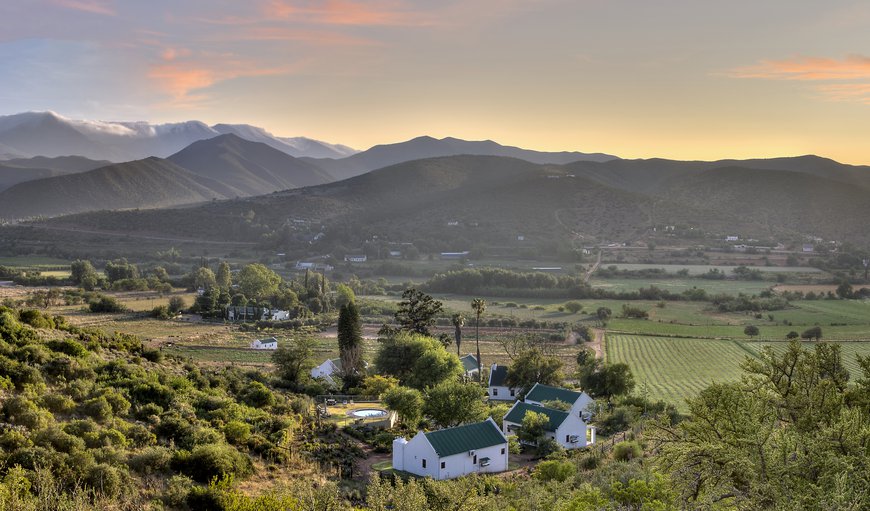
<point x="541" y="393"/>
<point x="519" y="411"/>
<point x="469" y="363"/>
<point x="450" y="441"/>
<point x="497" y="375"/>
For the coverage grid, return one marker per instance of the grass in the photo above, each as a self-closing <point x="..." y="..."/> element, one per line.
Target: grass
<point x="243" y="356"/>
<point x="695" y="269"/>
<point x="382" y="465"/>
<point x="678" y="285"/>
<point x="675" y="369"/>
<point x="849" y="352"/>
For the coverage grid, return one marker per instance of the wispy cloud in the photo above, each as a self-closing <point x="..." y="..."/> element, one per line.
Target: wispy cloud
<point x="846" y="79"/>
<point x="808" y="68"/>
<point x="346" y="12"/>
<point x="104" y="7"/>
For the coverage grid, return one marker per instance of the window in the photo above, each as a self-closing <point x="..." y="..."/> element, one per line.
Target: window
<point x="424" y="462"/>
<point x="502" y="450"/>
<point x="474" y="461"/>
<point x="567" y="438"/>
<point x="494" y="392"/>
<point x="513" y="392"/>
<point x="443" y="464"/>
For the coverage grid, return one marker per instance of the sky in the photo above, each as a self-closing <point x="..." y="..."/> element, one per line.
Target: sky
<point x="685" y="79"/>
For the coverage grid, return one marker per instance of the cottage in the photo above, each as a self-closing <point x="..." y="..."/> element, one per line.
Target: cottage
<point x="355" y="258"/>
<point x="578" y="401"/>
<point x="327" y="369"/>
<point x="265" y="344"/>
<point x="470" y="366"/>
<point x="498" y="391"/>
<point x="452" y="256"/>
<point x="807" y="248"/>
<point x="453" y="452"/>
<point x="568" y="429"/>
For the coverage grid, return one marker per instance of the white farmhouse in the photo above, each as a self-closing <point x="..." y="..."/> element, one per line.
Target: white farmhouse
<point x="453" y="452"/>
<point x="275" y="315"/>
<point x="328" y="368"/>
<point x="470" y="366"/>
<point x="498" y="391"/>
<point x="265" y="344"/>
<point x="566" y="428"/>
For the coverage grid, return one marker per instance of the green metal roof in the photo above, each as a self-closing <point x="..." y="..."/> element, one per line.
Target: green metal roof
<point x="450" y="441"/>
<point x="541" y="393"/>
<point x="469" y="363"/>
<point x="497" y="376"/>
<point x="519" y="411"/>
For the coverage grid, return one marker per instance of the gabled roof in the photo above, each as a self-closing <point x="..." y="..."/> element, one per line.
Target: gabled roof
<point x="270" y="339"/>
<point x="520" y="409"/>
<point x="337" y="363"/>
<point x="497" y="375"/>
<point x="469" y="363"/>
<point x="541" y="393"/>
<point x="450" y="441"/>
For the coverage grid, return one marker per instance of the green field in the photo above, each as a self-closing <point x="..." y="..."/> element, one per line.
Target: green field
<point x="678" y="285"/>
<point x="695" y="269"/>
<point x="849" y="352"/>
<point x="674" y="369"/>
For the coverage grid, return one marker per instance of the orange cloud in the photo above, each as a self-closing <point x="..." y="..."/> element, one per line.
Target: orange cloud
<point x="345" y="12"/>
<point x="859" y="92"/>
<point x="854" y="67"/>
<point x="104" y="7"/>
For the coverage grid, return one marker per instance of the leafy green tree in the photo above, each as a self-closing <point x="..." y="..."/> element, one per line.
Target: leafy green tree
<point x="606" y="380"/>
<point x="573" y="306"/>
<point x="83" y="273"/>
<point x="120" y="269"/>
<point x="224" y="277"/>
<point x="258" y="282"/>
<point x="845" y="291"/>
<point x="416" y="360"/>
<point x="378" y="385"/>
<point x="792" y="335"/>
<point x="417" y="312"/>
<point x="344" y="295"/>
<point x="452" y="403"/>
<point x="533" y="427"/>
<point x="603" y="314"/>
<point x="532" y="366"/>
<point x="294" y="360"/>
<point x="176" y="304"/>
<point x="751" y="330"/>
<point x="479" y="306"/>
<point x="350" y="344"/>
<point x="408" y="403"/>
<point x="812" y="333"/>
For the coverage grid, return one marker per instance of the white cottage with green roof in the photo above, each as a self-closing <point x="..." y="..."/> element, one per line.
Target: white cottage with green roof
<point x="453" y="452"/>
<point x="470" y="366"/>
<point x="498" y="389"/>
<point x="578" y="401"/>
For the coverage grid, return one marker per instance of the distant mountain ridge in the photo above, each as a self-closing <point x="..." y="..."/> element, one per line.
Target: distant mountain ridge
<point x="49" y="134"/>
<point x="20" y="170"/>
<point x="381" y="156"/>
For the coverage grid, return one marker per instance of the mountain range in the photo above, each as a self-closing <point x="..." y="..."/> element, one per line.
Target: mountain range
<point x="459" y="202"/>
<point x="31" y="134"/>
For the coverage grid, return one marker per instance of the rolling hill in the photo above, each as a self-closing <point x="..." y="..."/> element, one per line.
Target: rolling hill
<point x="20" y="170"/>
<point x="222" y="167"/>
<point x="419" y="148"/>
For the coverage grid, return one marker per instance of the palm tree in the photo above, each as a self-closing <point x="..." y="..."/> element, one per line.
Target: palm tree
<point x="458" y="323"/>
<point x="479" y="305"/>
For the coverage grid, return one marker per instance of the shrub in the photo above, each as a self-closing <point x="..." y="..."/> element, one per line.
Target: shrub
<point x="97" y="408"/>
<point x="555" y="470"/>
<point x="237" y="432"/>
<point x="57" y="403"/>
<point x="104" y="480"/>
<point x="151" y="460"/>
<point x="214" y="460"/>
<point x="106" y="304"/>
<point x="67" y="346"/>
<point x="628" y="450"/>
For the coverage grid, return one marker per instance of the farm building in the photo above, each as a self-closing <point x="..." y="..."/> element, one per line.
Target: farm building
<point x="329" y="367"/>
<point x="497" y="389"/>
<point x="470" y="366"/>
<point x="355" y="258"/>
<point x="242" y="313"/>
<point x="453" y="452"/>
<point x="452" y="256"/>
<point x="265" y="344"/>
<point x="568" y="429"/>
<point x="578" y="401"/>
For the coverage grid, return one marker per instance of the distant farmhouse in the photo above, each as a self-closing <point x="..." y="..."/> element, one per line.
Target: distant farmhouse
<point x="497" y="389"/>
<point x="245" y="313"/>
<point x="454" y="256"/>
<point x="309" y="265"/>
<point x="453" y="452"/>
<point x="329" y="367"/>
<point x="355" y="258"/>
<point x="265" y="344"/>
<point x="470" y="366"/>
<point x="570" y="428"/>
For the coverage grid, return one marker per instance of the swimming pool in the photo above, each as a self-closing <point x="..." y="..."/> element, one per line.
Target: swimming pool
<point x="368" y="413"/>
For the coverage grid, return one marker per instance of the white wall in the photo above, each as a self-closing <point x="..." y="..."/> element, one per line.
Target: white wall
<point x="572" y="425"/>
<point x="462" y="464"/>
<point x="504" y="394"/>
<point x="414" y="452"/>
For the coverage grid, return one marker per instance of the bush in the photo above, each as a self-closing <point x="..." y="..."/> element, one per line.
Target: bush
<point x="237" y="432"/>
<point x="214" y="460"/>
<point x="104" y="480"/>
<point x="555" y="470"/>
<point x="151" y="460"/>
<point x="628" y="450"/>
<point x="97" y="408"/>
<point x="67" y="346"/>
<point x="106" y="304"/>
